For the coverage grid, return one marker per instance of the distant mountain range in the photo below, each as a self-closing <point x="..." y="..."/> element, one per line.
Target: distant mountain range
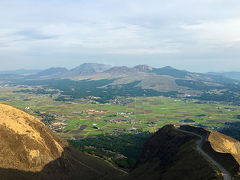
<point x="93" y="69"/>
<point x="232" y="75"/>
<point x="142" y="80"/>
<point x="21" y="71"/>
<point x="102" y="70"/>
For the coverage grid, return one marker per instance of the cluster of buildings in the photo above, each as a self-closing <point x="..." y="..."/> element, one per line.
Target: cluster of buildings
<point x="58" y="126"/>
<point x="121" y="101"/>
<point x="92" y="112"/>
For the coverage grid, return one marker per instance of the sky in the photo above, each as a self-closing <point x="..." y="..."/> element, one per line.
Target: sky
<point x="194" y="35"/>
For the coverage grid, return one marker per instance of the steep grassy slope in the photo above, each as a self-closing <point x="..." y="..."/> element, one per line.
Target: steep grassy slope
<point x="28" y="150"/>
<point x="25" y="142"/>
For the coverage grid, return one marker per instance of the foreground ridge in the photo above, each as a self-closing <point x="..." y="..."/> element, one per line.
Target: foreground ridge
<point x="226" y="174"/>
<point x="188" y="152"/>
<point x="29" y="150"/>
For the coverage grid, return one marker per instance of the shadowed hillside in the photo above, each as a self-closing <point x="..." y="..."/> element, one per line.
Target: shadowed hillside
<point x="222" y="148"/>
<point x="72" y="164"/>
<point x="172" y="154"/>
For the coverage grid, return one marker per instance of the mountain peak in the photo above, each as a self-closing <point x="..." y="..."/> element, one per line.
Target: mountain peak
<point x="167" y="67"/>
<point x="88" y="69"/>
<point x="168" y="70"/>
<point x="120" y="70"/>
<point x="143" y="68"/>
<point x="91" y="65"/>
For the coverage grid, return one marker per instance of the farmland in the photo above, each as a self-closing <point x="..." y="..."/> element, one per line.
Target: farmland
<point x="82" y="118"/>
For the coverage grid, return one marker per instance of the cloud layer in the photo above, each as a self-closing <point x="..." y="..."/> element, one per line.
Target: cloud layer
<point x="188" y="34"/>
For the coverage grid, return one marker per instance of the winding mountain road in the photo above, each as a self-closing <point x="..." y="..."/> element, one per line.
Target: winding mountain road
<point x="226" y="174"/>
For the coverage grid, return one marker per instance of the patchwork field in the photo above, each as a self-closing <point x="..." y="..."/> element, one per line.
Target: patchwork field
<point x="86" y="118"/>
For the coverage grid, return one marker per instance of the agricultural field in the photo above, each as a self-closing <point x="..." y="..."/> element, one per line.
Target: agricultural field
<point x="86" y="118"/>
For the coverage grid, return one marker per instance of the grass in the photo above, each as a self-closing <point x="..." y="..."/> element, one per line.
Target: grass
<point x="148" y="114"/>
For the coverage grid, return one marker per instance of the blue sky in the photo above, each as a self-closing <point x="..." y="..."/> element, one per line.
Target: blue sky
<point x="196" y="35"/>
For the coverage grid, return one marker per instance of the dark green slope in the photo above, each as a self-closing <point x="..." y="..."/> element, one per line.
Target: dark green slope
<point x="173" y="154"/>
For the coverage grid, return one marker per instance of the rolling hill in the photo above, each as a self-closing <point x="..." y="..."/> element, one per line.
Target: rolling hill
<point x="53" y="72"/>
<point x="21" y="71"/>
<point x="232" y="75"/>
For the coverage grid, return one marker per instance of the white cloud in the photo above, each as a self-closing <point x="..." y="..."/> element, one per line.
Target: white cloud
<point x="178" y="29"/>
<point x="224" y="33"/>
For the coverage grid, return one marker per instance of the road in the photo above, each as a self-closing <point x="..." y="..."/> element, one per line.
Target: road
<point x="226" y="174"/>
